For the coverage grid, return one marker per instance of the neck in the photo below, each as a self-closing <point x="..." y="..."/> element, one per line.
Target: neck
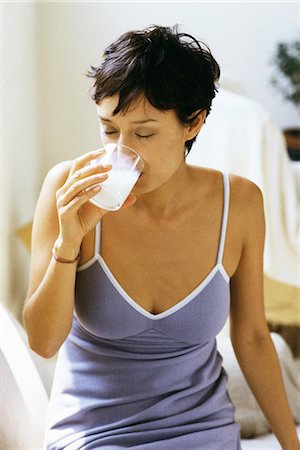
<point x="168" y="199"/>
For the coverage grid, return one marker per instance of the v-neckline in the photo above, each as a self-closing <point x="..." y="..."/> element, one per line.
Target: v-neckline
<point x="218" y="268"/>
<point x="179" y="305"/>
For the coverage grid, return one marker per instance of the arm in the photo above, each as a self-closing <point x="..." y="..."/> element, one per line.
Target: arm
<point x="249" y="332"/>
<point x="48" y="308"/>
<point x="63" y="216"/>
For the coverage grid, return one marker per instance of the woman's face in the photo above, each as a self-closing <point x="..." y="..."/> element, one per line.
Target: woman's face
<point x="156" y="135"/>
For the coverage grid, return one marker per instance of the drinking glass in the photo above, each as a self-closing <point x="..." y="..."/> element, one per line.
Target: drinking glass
<point x="127" y="166"/>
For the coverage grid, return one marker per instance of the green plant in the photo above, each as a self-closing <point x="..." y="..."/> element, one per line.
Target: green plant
<point x="287" y="60"/>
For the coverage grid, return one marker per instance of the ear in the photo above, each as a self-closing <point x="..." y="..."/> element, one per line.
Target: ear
<point x="193" y="128"/>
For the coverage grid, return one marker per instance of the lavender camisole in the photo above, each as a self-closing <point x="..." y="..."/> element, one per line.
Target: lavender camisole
<point x="127" y="378"/>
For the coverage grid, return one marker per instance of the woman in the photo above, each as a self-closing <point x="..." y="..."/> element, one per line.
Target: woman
<point x="154" y="281"/>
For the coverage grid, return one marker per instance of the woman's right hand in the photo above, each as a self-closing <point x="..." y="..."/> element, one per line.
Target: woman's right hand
<point x="77" y="215"/>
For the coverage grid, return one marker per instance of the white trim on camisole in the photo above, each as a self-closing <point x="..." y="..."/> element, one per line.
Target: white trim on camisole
<point x="218" y="267"/>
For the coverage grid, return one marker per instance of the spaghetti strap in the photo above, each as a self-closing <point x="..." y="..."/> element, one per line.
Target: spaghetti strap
<point x="226" y="196"/>
<point x="97" y="249"/>
<point x="95" y="257"/>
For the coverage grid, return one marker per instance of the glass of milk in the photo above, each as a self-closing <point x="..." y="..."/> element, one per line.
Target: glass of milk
<point x="127" y="166"/>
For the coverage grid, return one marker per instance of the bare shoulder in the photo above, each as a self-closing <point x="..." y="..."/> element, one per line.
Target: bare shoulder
<point x="45" y="217"/>
<point x="59" y="172"/>
<point x="247" y="202"/>
<point x="46" y="204"/>
<point x="244" y="193"/>
<point x="244" y="188"/>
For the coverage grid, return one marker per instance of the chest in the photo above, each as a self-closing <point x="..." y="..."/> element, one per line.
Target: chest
<point x="158" y="267"/>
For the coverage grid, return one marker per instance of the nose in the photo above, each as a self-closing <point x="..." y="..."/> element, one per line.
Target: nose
<point x="122" y="139"/>
<point x="126" y="142"/>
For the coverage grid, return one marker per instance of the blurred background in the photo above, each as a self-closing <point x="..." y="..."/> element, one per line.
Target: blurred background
<point x="48" y="116"/>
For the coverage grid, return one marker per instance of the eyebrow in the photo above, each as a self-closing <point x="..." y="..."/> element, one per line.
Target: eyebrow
<point x="137" y="121"/>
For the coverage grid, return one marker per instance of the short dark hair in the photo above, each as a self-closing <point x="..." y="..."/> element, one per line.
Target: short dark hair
<point x="173" y="70"/>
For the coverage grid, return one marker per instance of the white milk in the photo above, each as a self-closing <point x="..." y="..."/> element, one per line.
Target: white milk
<point x="115" y="189"/>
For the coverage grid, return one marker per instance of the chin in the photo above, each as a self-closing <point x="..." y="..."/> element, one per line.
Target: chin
<point x="138" y="185"/>
<point x="140" y="188"/>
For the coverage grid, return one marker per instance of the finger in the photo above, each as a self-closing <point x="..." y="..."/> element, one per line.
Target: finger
<point x="79" y="186"/>
<point x="81" y="161"/>
<point x="81" y="199"/>
<point x="93" y="170"/>
<point x="85" y="173"/>
<point x="90" y="169"/>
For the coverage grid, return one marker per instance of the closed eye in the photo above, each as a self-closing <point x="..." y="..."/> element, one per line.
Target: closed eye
<point x="139" y="135"/>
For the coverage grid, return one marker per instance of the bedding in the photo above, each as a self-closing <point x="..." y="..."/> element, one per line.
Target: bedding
<point x="248" y="412"/>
